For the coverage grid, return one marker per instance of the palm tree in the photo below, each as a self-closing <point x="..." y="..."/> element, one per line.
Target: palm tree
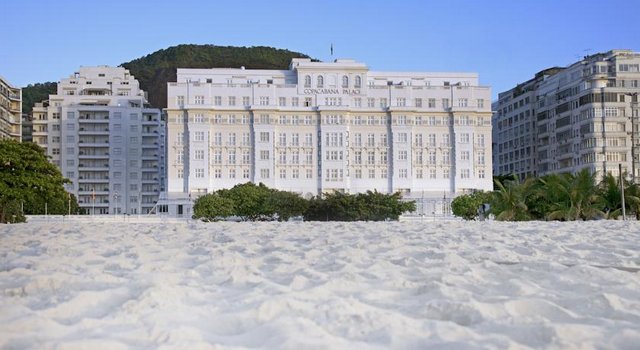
<point x="572" y="197"/>
<point x="509" y="202"/>
<point x="611" y="199"/>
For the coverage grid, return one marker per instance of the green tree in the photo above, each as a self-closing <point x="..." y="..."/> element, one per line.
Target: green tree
<point x="611" y="199"/>
<point x="286" y="205"/>
<point x="28" y="180"/>
<point x="466" y="206"/>
<point x="572" y="197"/>
<point x="370" y="206"/>
<point x="213" y="207"/>
<point x="511" y="201"/>
<point x="250" y="201"/>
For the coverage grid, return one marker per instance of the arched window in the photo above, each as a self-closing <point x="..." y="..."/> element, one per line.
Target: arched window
<point x="307" y="81"/>
<point x="320" y="81"/>
<point x="345" y="81"/>
<point x="358" y="81"/>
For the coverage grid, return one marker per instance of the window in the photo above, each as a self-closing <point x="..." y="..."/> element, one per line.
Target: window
<point x="432" y="158"/>
<point x="180" y="101"/>
<point x="133" y="140"/>
<point x="295" y="101"/>
<point x="180" y="173"/>
<point x="264" y="155"/>
<point x="217" y="101"/>
<point x="199" y="136"/>
<point x="232" y="100"/>
<point x="464" y="138"/>
<point x="418" y="102"/>
<point x="180" y="157"/>
<point x="383" y="103"/>
<point x="133" y="176"/>
<point x="445" y="173"/>
<point x="199" y="154"/>
<point x="402" y="173"/>
<point x="432" y="140"/>
<point x="446" y="157"/>
<point x="480" y="103"/>
<point x="358" y="82"/>
<point x="282" y="157"/>
<point x="372" y="173"/>
<point x="445" y="103"/>
<point x="402" y="137"/>
<point x="71" y="126"/>
<point x="199" y="173"/>
<point x="371" y="157"/>
<point x="432" y="103"/>
<point x="480" y="157"/>
<point x="264" y="173"/>
<point x="245" y="101"/>
<point x="418" y="173"/>
<point x="463" y="102"/>
<point x="383" y="157"/>
<point x="345" y="81"/>
<point x="308" y="139"/>
<point x="464" y="155"/>
<point x="320" y="81"/>
<point x="246" y="157"/>
<point x="217" y="173"/>
<point x="307" y="81"/>
<point x="371" y="102"/>
<point x="481" y="173"/>
<point x="232" y="157"/>
<point x="199" y="100"/>
<point x="217" y="157"/>
<point x="264" y="136"/>
<point x="198" y="118"/>
<point x="264" y="100"/>
<point x="358" y="140"/>
<point x="295" y="157"/>
<point x="432" y="173"/>
<point x="217" y="139"/>
<point x="401" y="102"/>
<point x="464" y="173"/>
<point x="295" y="139"/>
<point x="371" y="140"/>
<point x="357" y="157"/>
<point x="282" y="101"/>
<point x="308" y="157"/>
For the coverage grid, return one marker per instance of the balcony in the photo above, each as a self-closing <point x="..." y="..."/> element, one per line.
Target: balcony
<point x="93" y="131"/>
<point x="92" y="180"/>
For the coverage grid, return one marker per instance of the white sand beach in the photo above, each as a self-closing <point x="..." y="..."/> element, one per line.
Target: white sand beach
<point x="400" y="285"/>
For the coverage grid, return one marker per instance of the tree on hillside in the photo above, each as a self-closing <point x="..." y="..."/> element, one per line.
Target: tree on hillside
<point x="155" y="70"/>
<point x="28" y="180"/>
<point x="34" y="93"/>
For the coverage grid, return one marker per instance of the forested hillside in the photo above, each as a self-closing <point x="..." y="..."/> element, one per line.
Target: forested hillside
<point x="156" y="69"/>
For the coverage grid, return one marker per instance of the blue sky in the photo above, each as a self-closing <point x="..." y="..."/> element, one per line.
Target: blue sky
<point x="506" y="41"/>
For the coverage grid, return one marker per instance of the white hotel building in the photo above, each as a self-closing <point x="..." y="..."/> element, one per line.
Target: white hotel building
<point x="98" y="130"/>
<point x="321" y="127"/>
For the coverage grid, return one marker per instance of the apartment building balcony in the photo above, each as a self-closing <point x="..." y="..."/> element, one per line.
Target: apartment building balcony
<point x="84" y="179"/>
<point x="103" y="131"/>
<point x="148" y="180"/>
<point x="39" y="133"/>
<point x="86" y="155"/>
<point x="152" y="121"/>
<point x="15" y="97"/>
<point x="87" y="191"/>
<point x="93" y="117"/>
<point x="149" y="144"/>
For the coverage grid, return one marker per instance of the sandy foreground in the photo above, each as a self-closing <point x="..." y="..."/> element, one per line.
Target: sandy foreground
<point x="402" y="285"/>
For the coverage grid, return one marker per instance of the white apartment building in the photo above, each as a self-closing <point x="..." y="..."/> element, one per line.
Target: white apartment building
<point x="582" y="116"/>
<point x="320" y="127"/>
<point x="10" y="111"/>
<point x="101" y="134"/>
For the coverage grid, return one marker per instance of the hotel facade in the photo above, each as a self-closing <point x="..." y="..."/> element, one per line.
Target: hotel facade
<point x="570" y="118"/>
<point x="98" y="130"/>
<point x="10" y="111"/>
<point x="321" y="127"/>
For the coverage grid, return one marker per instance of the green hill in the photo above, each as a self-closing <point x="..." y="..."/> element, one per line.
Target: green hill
<point x="155" y="70"/>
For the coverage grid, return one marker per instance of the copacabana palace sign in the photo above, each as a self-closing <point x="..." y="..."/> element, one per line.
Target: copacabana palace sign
<point x="332" y="91"/>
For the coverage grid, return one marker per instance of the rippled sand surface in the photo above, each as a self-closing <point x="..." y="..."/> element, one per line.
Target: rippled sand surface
<point x="403" y="285"/>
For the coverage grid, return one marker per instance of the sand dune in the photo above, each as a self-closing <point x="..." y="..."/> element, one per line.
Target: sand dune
<point x="412" y="285"/>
